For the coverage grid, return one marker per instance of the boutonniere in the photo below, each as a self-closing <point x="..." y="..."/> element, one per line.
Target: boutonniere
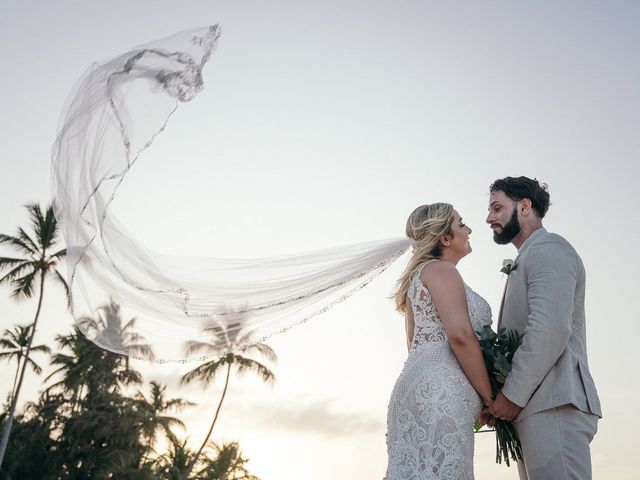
<point x="508" y="266"/>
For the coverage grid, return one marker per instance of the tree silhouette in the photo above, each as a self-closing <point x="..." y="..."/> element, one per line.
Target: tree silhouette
<point x="233" y="336"/>
<point x="14" y="345"/>
<point x="27" y="273"/>
<point x="154" y="412"/>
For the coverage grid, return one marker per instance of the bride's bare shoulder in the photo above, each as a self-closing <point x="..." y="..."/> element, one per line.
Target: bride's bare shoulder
<point x="439" y="271"/>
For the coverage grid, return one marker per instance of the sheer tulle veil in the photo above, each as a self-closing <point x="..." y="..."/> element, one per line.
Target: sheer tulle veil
<point x="131" y="300"/>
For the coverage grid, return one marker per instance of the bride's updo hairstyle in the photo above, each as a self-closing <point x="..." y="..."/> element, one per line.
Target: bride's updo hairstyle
<point x="425" y="226"/>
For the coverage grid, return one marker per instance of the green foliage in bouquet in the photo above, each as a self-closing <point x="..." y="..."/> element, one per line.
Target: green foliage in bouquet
<point x="498" y="350"/>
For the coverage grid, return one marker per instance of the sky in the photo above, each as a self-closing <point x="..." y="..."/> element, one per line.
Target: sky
<point x="326" y="123"/>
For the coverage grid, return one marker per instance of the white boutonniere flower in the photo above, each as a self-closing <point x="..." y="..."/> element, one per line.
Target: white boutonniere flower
<point x="508" y="266"/>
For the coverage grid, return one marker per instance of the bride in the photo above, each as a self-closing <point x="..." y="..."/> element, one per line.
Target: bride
<point x="444" y="383"/>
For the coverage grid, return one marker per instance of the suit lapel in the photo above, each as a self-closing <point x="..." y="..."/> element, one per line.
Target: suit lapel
<point x="504" y="294"/>
<point x="532" y="238"/>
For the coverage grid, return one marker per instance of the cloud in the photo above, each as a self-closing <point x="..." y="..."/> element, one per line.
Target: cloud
<point x="309" y="417"/>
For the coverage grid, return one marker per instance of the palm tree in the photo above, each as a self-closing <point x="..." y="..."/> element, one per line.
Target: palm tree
<point x="227" y="464"/>
<point x="107" y="328"/>
<point x="154" y="410"/>
<point x="86" y="368"/>
<point x="102" y="429"/>
<point x="176" y="462"/>
<point x="233" y="337"/>
<point x="36" y="263"/>
<point x="102" y="439"/>
<point x="14" y="343"/>
<point x="76" y="362"/>
<point x="32" y="451"/>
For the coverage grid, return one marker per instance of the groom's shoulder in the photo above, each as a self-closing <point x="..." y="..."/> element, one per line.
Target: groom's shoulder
<point x="551" y="238"/>
<point x="553" y="242"/>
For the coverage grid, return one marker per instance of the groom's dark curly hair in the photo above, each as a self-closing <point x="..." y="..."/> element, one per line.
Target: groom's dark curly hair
<point x="517" y="188"/>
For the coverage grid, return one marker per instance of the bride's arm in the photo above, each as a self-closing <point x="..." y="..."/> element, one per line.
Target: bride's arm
<point x="409" y="324"/>
<point x="447" y="290"/>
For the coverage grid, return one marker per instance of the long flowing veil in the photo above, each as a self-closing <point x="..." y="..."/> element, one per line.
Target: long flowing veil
<point x="131" y="300"/>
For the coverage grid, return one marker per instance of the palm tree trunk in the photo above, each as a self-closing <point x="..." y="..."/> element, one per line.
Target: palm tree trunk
<point x="6" y="431"/>
<point x="149" y="448"/>
<point x="75" y="406"/>
<point x="15" y="378"/>
<point x="224" y="392"/>
<point x="146" y="454"/>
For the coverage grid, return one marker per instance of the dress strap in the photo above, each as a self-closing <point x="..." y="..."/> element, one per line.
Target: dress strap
<point x="418" y="271"/>
<point x="425" y="264"/>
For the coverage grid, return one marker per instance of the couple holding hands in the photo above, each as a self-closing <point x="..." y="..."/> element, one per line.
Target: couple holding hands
<point x="444" y="386"/>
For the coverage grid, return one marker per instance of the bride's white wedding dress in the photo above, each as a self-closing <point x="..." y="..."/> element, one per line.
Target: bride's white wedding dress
<point x="433" y="406"/>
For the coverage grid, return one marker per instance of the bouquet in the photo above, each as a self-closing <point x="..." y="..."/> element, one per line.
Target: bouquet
<point x="498" y="350"/>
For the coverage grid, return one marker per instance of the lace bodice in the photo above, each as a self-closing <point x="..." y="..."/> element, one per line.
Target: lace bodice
<point x="428" y="326"/>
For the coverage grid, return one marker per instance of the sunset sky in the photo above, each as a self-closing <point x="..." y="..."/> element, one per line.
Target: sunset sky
<point x="326" y="123"/>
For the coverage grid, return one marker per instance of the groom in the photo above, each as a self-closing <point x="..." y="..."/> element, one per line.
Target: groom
<point x="549" y="393"/>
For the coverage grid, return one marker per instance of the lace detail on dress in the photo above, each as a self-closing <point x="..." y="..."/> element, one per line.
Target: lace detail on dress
<point x="428" y="327"/>
<point x="433" y="405"/>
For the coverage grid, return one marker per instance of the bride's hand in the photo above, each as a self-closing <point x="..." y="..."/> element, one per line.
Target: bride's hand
<point x="486" y="418"/>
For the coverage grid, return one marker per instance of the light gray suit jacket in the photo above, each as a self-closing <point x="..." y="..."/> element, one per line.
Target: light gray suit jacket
<point x="544" y="299"/>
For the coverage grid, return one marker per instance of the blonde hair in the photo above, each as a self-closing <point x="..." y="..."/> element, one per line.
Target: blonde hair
<point x="425" y="226"/>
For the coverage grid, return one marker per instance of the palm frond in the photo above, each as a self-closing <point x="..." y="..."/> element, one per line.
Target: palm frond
<point x="130" y="376"/>
<point x="8" y="341"/>
<point x="244" y="365"/>
<point x="41" y="348"/>
<point x="10" y="353"/>
<point x="88" y="323"/>
<point x="17" y="243"/>
<point x="28" y="241"/>
<point x="59" y="359"/>
<point x="205" y="372"/>
<point x="264" y="350"/>
<point x="8" y="345"/>
<point x="37" y="369"/>
<point x="51" y="226"/>
<point x="9" y="277"/>
<point x="66" y="340"/>
<point x="60" y="254"/>
<point x="193" y="346"/>
<point x="179" y="404"/>
<point x="24" y="285"/>
<point x="54" y="386"/>
<point x="18" y="337"/>
<point x="172" y="422"/>
<point x="61" y="280"/>
<point x="142" y="351"/>
<point x="129" y="325"/>
<point x="214" y="329"/>
<point x="37" y="220"/>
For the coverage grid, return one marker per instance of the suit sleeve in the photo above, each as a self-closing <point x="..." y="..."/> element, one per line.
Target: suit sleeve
<point x="552" y="274"/>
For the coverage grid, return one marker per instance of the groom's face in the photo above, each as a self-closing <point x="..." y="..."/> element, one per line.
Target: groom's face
<point x="503" y="218"/>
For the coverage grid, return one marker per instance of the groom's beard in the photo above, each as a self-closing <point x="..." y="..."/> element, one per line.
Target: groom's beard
<point x="509" y="230"/>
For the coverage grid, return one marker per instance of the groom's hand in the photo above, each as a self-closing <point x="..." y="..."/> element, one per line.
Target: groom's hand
<point x="504" y="408"/>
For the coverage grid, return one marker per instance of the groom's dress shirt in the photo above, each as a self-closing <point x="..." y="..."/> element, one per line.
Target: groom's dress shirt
<point x="544" y="299"/>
